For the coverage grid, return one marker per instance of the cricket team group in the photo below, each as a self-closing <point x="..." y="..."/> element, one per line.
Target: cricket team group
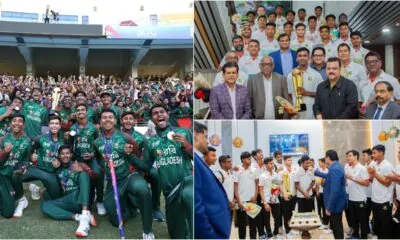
<point x="76" y="166"/>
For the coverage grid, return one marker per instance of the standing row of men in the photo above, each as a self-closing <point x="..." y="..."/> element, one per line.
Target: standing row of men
<point x="359" y="189"/>
<point x="72" y="166"/>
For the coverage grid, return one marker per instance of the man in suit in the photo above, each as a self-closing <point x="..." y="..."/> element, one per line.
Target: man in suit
<point x="284" y="58"/>
<point x="335" y="197"/>
<point x="230" y="100"/>
<point x="384" y="108"/>
<point x="212" y="211"/>
<point x="263" y="88"/>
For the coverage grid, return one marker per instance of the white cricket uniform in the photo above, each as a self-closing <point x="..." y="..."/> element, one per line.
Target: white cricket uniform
<point x="259" y="35"/>
<point x="320" y="22"/>
<point x="260" y="170"/>
<point x="242" y="79"/>
<point x="268" y="180"/>
<point x="357" y="192"/>
<point x="358" y="56"/>
<point x="311" y="79"/>
<point x="294" y="45"/>
<point x="266" y="47"/>
<point x="278" y="165"/>
<point x="247" y="182"/>
<point x="346" y="169"/>
<point x="228" y="182"/>
<point x="305" y="178"/>
<point x="381" y="193"/>
<point x="298" y="21"/>
<point x="356" y="73"/>
<point x="330" y="49"/>
<point x="292" y="188"/>
<point x="367" y="87"/>
<point x="340" y="41"/>
<point x="250" y="65"/>
<point x="369" y="188"/>
<point x="313" y="37"/>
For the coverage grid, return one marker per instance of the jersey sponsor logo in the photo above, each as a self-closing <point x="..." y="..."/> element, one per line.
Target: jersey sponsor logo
<point x="11" y="162"/>
<point x="84" y="145"/>
<point x="170" y="150"/>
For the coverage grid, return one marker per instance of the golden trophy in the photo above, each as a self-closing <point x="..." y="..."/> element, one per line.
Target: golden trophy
<point x="56" y="99"/>
<point x="286" y="183"/>
<point x="297" y="76"/>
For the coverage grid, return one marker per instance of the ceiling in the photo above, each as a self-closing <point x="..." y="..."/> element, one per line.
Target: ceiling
<point x="370" y="17"/>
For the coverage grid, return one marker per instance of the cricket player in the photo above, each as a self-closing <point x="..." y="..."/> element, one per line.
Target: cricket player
<point x="14" y="151"/>
<point x="113" y="145"/>
<point x="172" y="151"/>
<point x="35" y="115"/>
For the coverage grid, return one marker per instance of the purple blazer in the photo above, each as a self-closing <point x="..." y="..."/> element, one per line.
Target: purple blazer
<point x="221" y="106"/>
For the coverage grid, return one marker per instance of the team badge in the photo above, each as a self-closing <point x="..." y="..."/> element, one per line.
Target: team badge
<point x="159" y="152"/>
<point x="309" y="78"/>
<point x="384" y="208"/>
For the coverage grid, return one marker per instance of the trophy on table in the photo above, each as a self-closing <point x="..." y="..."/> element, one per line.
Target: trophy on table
<point x="56" y="99"/>
<point x="298" y="82"/>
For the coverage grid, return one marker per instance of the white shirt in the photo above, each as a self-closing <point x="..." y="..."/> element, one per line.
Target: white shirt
<point x="356" y="73"/>
<point x="398" y="185"/>
<point x="232" y="95"/>
<point x="291" y="174"/>
<point x="249" y="65"/>
<point x="268" y="46"/>
<point x="295" y="44"/>
<point x="268" y="180"/>
<point x="298" y="21"/>
<point x="382" y="111"/>
<point x="246" y="179"/>
<point x="367" y="87"/>
<point x="305" y="178"/>
<point x="321" y="187"/>
<point x="320" y="22"/>
<point x="369" y="188"/>
<point x="381" y="193"/>
<point x="357" y="192"/>
<point x="259" y="35"/>
<point x="269" y="111"/>
<point x="242" y="79"/>
<point x="340" y="41"/>
<point x="260" y="170"/>
<point x="330" y="49"/>
<point x="311" y="79"/>
<point x="278" y="165"/>
<point x="358" y="56"/>
<point x="280" y="21"/>
<point x="228" y="183"/>
<point x="313" y="37"/>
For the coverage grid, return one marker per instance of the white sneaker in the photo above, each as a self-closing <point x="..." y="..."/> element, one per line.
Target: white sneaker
<point x="92" y="222"/>
<point x="35" y="191"/>
<point x="327" y="231"/>
<point x="323" y="227"/>
<point x="101" y="211"/>
<point x="149" y="235"/>
<point x="349" y="231"/>
<point x="22" y="204"/>
<point x="84" y="227"/>
<point x="371" y="236"/>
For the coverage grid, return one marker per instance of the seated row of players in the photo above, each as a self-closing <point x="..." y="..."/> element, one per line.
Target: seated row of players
<point x="253" y="70"/>
<point x="72" y="165"/>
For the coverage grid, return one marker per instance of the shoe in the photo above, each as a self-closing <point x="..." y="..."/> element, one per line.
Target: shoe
<point x="372" y="236"/>
<point x="35" y="191"/>
<point x="22" y="204"/>
<point x="101" y="211"/>
<point x="149" y="235"/>
<point x="323" y="227"/>
<point x="349" y="231"/>
<point x="262" y="237"/>
<point x="92" y="222"/>
<point x="84" y="227"/>
<point x="327" y="231"/>
<point x="158" y="216"/>
<point x="269" y="235"/>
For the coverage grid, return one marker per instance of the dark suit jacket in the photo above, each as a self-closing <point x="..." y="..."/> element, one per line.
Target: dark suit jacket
<point x="278" y="61"/>
<point x="256" y="89"/>
<point x="392" y="111"/>
<point x="221" y="106"/>
<point x="335" y="197"/>
<point x="212" y="213"/>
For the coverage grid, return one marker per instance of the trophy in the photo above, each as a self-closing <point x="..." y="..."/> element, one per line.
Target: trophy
<point x="298" y="83"/>
<point x="56" y="99"/>
<point x="286" y="183"/>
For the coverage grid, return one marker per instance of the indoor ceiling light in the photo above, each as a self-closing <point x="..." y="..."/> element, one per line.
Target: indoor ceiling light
<point x="386" y="30"/>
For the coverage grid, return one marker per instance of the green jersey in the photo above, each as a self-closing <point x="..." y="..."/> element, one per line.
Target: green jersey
<point x="83" y="140"/>
<point x="135" y="108"/>
<point x="47" y="150"/>
<point x="90" y="114"/>
<point x="5" y="123"/>
<point x="113" y="148"/>
<point x="69" y="179"/>
<point x="117" y="115"/>
<point x="140" y="141"/>
<point x="20" y="153"/>
<point x="35" y="116"/>
<point x="172" y="162"/>
<point x="64" y="114"/>
<point x="183" y="112"/>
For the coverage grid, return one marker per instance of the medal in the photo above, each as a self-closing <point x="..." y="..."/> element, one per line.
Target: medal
<point x="170" y="135"/>
<point x="72" y="133"/>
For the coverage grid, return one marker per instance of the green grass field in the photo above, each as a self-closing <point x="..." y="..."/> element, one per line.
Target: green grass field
<point x="34" y="225"/>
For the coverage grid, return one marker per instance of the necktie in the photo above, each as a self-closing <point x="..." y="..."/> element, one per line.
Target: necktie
<point x="378" y="113"/>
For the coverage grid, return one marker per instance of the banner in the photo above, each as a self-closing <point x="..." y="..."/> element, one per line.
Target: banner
<point x="148" y="32"/>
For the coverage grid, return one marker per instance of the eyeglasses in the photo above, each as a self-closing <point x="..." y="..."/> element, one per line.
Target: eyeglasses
<point x="265" y="64"/>
<point x="371" y="62"/>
